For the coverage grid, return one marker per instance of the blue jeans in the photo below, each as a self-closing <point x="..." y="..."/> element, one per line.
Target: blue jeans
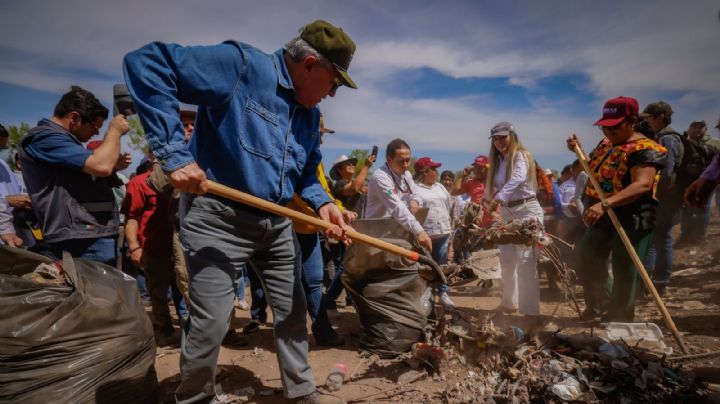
<point x="142" y="285"/>
<point x="179" y="301"/>
<point x="258" y="304"/>
<point x="336" y="286"/>
<point x="440" y="255"/>
<point x="240" y="293"/>
<point x="659" y="260"/>
<point x="309" y="259"/>
<point x="103" y="250"/>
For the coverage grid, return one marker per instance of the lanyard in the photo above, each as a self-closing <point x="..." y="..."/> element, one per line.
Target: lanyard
<point x="397" y="186"/>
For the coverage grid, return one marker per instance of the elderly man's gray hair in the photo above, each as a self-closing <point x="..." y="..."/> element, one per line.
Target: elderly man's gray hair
<point x="298" y="50"/>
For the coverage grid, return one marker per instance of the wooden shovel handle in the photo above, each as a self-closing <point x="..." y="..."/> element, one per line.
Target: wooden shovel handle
<point x="250" y="200"/>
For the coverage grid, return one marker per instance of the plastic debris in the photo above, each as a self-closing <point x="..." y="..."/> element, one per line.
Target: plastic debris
<point x="568" y="389"/>
<point x="336" y="377"/>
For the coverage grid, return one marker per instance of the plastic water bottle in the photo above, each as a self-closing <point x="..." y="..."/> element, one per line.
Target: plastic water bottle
<point x="336" y="377"/>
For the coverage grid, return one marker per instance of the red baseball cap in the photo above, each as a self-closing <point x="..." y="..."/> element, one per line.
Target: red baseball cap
<point x="425" y="162"/>
<point x="482" y="161"/>
<point x="94" y="144"/>
<point x="617" y="109"/>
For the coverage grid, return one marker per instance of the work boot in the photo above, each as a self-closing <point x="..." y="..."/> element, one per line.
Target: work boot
<point x="251" y="327"/>
<point x="317" y="398"/>
<point x="327" y="337"/>
<point x="233" y="339"/>
<point x="446" y="301"/>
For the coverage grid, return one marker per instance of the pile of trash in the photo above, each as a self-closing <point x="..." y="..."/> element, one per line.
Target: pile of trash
<point x="516" y="231"/>
<point x="620" y="363"/>
<point x="473" y="234"/>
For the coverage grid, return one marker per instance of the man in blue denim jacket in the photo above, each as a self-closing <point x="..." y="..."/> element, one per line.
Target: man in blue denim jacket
<point x="257" y="130"/>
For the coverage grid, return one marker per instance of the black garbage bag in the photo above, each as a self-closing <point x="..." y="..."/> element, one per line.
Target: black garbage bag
<point x="85" y="338"/>
<point x="392" y="300"/>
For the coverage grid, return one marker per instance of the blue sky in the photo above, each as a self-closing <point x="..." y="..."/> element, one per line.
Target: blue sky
<point x="438" y="74"/>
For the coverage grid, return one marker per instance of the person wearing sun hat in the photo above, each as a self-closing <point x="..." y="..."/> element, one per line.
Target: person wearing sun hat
<point x="257" y="130"/>
<point x="626" y="164"/>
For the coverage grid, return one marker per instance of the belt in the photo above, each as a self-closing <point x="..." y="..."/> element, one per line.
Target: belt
<point x="512" y="204"/>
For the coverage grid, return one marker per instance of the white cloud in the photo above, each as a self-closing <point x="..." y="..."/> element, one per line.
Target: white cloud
<point x="647" y="49"/>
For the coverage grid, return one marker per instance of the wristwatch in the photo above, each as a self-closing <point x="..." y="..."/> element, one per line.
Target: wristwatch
<point x="605" y="204"/>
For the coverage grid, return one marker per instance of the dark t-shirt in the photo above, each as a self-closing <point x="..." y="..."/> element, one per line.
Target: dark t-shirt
<point x="355" y="203"/>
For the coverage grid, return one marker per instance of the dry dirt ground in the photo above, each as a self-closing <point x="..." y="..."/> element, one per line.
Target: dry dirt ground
<point x="693" y="300"/>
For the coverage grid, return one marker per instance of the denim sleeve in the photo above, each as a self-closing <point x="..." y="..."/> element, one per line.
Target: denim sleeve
<point x="308" y="187"/>
<point x="160" y="76"/>
<point x="672" y="144"/>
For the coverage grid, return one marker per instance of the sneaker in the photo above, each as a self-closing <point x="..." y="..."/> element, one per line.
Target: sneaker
<point x="446" y="301"/>
<point x="317" y="398"/>
<point x="251" y="327"/>
<point x="242" y="305"/>
<point x="233" y="339"/>
<point x="508" y="310"/>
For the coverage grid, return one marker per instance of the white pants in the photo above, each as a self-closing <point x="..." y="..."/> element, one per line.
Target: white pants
<point x="521" y="290"/>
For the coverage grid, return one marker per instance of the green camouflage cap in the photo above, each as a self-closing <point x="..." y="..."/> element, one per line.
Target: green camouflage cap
<point x="657" y="108"/>
<point x="334" y="44"/>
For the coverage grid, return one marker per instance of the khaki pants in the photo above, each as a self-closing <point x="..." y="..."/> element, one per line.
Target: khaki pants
<point x="159" y="275"/>
<point x="181" y="275"/>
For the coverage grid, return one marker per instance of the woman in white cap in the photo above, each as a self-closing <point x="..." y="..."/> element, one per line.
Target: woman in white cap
<point x="512" y="184"/>
<point x="437" y="199"/>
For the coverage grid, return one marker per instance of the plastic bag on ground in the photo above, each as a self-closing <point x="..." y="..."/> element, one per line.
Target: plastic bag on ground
<point x="87" y="339"/>
<point x="390" y="296"/>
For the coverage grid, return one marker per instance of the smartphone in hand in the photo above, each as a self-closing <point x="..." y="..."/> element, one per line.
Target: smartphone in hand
<point x="374" y="151"/>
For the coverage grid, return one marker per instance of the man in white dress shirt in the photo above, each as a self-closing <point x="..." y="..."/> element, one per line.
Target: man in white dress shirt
<point x="391" y="189"/>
